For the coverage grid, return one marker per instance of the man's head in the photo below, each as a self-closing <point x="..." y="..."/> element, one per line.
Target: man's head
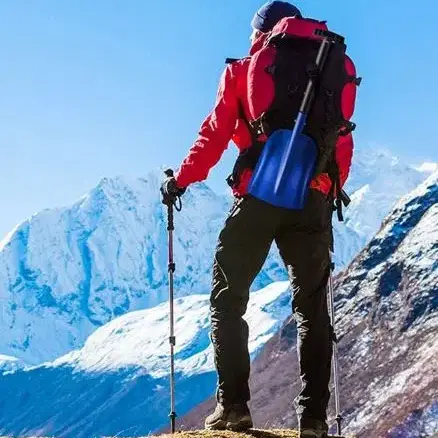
<point x="270" y="14"/>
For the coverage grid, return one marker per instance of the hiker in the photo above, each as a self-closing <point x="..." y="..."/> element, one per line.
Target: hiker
<point x="304" y="237"/>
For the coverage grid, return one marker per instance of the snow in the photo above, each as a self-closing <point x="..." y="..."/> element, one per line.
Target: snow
<point x="428" y="167"/>
<point x="381" y="392"/>
<point x="123" y="371"/>
<point x="391" y="289"/>
<point x="407" y="238"/>
<point x="66" y="272"/>
<point x="377" y="181"/>
<point x="422" y="423"/>
<point x="8" y="363"/>
<point x="423" y="240"/>
<point x="124" y="342"/>
<point x="83" y="291"/>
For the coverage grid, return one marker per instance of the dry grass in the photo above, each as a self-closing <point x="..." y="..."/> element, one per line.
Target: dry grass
<point x="253" y="433"/>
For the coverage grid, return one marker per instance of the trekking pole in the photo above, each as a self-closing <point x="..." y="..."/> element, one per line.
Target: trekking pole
<point x="171" y="203"/>
<point x="335" y="352"/>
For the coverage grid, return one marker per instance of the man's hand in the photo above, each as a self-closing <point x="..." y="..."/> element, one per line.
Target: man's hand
<point x="170" y="190"/>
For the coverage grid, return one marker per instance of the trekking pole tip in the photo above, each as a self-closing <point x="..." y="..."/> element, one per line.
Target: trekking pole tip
<point x="172" y="417"/>
<point x="339" y="419"/>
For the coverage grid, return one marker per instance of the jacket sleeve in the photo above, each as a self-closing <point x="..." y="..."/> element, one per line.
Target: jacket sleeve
<point x="214" y="135"/>
<point x="344" y="155"/>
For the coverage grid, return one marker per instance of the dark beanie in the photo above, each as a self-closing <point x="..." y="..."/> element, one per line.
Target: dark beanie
<point x="271" y="13"/>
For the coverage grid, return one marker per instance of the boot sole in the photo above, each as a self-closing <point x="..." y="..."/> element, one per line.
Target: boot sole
<point x="324" y="435"/>
<point x="226" y="425"/>
<point x="219" y="425"/>
<point x="240" y="427"/>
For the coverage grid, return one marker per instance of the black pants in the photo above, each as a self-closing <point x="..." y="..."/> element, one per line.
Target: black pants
<point x="303" y="238"/>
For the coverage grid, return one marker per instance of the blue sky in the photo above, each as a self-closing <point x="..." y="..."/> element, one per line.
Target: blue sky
<point x="100" y="88"/>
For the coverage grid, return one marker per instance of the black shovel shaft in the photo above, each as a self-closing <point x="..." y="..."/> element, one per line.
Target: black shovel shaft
<point x="328" y="39"/>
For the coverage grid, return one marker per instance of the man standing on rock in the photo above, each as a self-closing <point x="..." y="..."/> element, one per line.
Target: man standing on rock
<point x="304" y="238"/>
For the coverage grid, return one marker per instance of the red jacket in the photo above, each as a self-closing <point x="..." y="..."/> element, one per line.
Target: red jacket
<point x="224" y="124"/>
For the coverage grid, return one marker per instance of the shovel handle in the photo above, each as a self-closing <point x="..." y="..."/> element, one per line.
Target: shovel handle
<point x="328" y="38"/>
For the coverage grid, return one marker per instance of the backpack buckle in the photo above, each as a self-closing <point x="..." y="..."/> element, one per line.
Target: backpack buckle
<point x="347" y="128"/>
<point x="355" y="80"/>
<point x="261" y="126"/>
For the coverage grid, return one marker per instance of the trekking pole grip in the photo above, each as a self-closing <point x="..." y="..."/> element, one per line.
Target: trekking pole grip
<point x="174" y="201"/>
<point x="169" y="204"/>
<point x="169" y="173"/>
<point x="170" y="224"/>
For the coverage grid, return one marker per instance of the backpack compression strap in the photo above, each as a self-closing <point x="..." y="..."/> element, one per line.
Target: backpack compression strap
<point x="248" y="158"/>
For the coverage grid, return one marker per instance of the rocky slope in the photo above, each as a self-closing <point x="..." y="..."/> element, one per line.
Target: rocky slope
<point x="66" y="272"/>
<point x="387" y="322"/>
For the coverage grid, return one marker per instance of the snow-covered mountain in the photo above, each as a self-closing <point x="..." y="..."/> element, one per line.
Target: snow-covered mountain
<point x="388" y="317"/>
<point x="81" y="287"/>
<point x="377" y="181"/>
<point x="122" y="372"/>
<point x="387" y="325"/>
<point x="65" y="272"/>
<point x="141" y="338"/>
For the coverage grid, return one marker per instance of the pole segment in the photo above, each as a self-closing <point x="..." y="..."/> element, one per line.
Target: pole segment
<point x="335" y="353"/>
<point x="171" y="203"/>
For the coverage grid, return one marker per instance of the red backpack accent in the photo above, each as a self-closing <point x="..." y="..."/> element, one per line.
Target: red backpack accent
<point x="349" y="91"/>
<point x="278" y="73"/>
<point x="261" y="87"/>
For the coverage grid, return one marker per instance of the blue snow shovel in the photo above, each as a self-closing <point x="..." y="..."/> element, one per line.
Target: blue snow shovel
<point x="287" y="163"/>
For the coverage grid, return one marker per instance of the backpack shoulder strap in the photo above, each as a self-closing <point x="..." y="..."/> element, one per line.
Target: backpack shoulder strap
<point x="242" y="116"/>
<point x="249" y="157"/>
<point x="233" y="60"/>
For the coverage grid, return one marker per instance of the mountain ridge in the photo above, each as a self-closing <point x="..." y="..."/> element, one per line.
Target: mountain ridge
<point x="67" y="271"/>
<point x="386" y="323"/>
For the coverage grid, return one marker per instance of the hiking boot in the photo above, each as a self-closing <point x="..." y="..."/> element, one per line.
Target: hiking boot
<point x="313" y="429"/>
<point x="233" y="417"/>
